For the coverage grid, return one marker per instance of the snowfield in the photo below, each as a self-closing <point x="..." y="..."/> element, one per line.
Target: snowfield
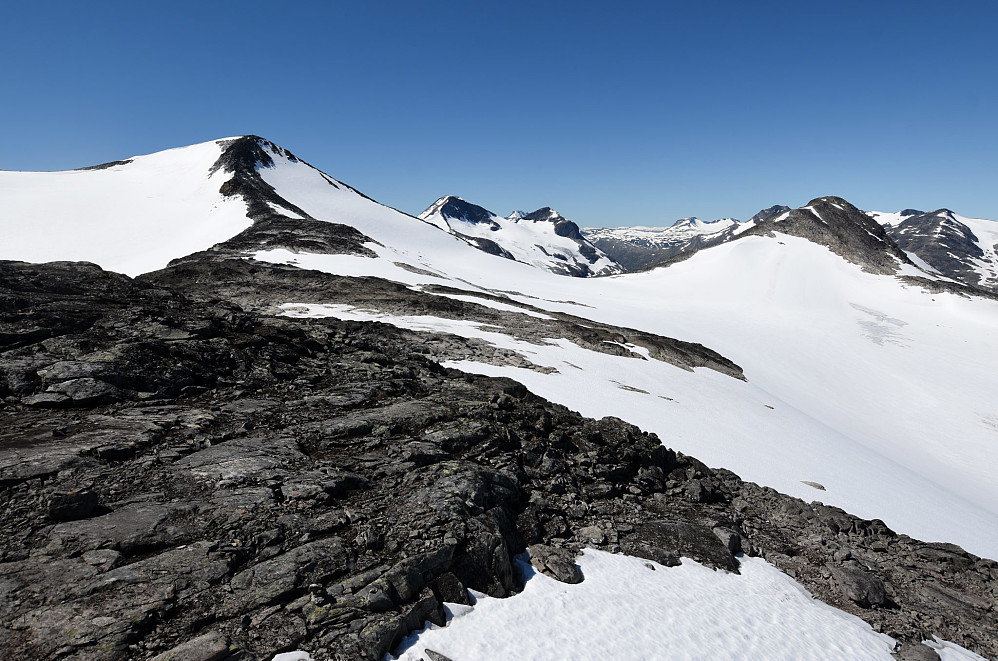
<point x="629" y="608"/>
<point x="881" y="392"/>
<point x="131" y="218"/>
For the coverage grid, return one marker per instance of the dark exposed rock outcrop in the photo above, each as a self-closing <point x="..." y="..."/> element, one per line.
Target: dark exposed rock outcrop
<point x="848" y="232"/>
<point x="265" y="484"/>
<point x="946" y="245"/>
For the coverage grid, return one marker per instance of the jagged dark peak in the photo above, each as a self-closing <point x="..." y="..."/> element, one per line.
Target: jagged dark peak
<point x="544" y="213"/>
<point x="911" y="212"/>
<point x="931" y="219"/>
<point x="562" y="226"/>
<point x="451" y="206"/>
<point x="770" y="212"/>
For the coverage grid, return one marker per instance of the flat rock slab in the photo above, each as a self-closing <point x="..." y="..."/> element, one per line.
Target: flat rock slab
<point x="212" y="646"/>
<point x="130" y="529"/>
<point x="288" y="574"/>
<point x="666" y="541"/>
<point x="239" y="460"/>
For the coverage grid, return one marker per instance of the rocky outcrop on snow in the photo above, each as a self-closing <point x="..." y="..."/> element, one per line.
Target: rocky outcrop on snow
<point x="948" y="246"/>
<point x="183" y="476"/>
<point x="848" y="232"/>
<point x="768" y="213"/>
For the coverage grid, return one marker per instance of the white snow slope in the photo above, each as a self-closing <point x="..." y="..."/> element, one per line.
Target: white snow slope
<point x="628" y="609"/>
<point x="881" y="392"/>
<point x="131" y="218"/>
<point x="532" y="242"/>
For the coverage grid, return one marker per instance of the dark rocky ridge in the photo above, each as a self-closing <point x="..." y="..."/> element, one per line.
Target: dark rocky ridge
<point x="455" y="207"/>
<point x="844" y="229"/>
<point x="944" y="243"/>
<point x="179" y="471"/>
<point x="262" y="288"/>
<point x="242" y="157"/>
<point x="768" y="213"/>
<point x="105" y="166"/>
<point x="840" y="226"/>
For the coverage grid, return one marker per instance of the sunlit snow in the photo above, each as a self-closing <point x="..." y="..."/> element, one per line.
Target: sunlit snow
<point x="131" y="218"/>
<point x="630" y="608"/>
<point x="896" y="421"/>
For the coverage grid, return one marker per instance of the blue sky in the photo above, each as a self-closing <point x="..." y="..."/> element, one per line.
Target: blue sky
<point x="613" y="115"/>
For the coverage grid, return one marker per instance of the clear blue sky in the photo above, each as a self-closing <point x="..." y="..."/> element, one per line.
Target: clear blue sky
<point x="635" y="114"/>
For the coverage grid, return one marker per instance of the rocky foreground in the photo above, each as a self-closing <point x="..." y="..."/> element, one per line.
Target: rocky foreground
<point x="185" y="477"/>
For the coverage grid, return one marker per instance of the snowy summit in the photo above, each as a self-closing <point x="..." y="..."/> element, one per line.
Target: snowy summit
<point x="542" y="238"/>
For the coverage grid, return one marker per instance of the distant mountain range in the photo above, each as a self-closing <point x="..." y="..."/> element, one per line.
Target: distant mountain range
<point x="964" y="250"/>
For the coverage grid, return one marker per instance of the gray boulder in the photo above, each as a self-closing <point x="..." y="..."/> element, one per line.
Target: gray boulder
<point x="862" y="588"/>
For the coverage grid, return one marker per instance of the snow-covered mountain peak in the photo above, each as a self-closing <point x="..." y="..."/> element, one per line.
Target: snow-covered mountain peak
<point x="888" y="219"/>
<point x="133" y="215"/>
<point x="542" y="238"/>
<point x="562" y="226"/>
<point x="454" y="208"/>
<point x="543" y="214"/>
